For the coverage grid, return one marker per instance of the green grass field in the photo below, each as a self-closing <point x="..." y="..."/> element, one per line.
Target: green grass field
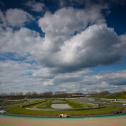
<point x="42" y="107"/>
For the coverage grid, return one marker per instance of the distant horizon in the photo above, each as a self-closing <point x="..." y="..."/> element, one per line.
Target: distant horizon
<point x="58" y="92"/>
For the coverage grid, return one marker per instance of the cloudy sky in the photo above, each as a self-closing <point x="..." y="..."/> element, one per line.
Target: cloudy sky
<point x="62" y="45"/>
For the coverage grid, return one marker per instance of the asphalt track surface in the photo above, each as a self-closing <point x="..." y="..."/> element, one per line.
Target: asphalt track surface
<point x="116" y="120"/>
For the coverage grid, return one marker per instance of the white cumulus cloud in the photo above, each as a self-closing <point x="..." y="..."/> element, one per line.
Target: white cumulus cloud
<point x="35" y="6"/>
<point x="15" y="17"/>
<point x="75" y="40"/>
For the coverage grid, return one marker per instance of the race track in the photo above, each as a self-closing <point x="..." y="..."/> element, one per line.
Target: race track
<point x="23" y="121"/>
